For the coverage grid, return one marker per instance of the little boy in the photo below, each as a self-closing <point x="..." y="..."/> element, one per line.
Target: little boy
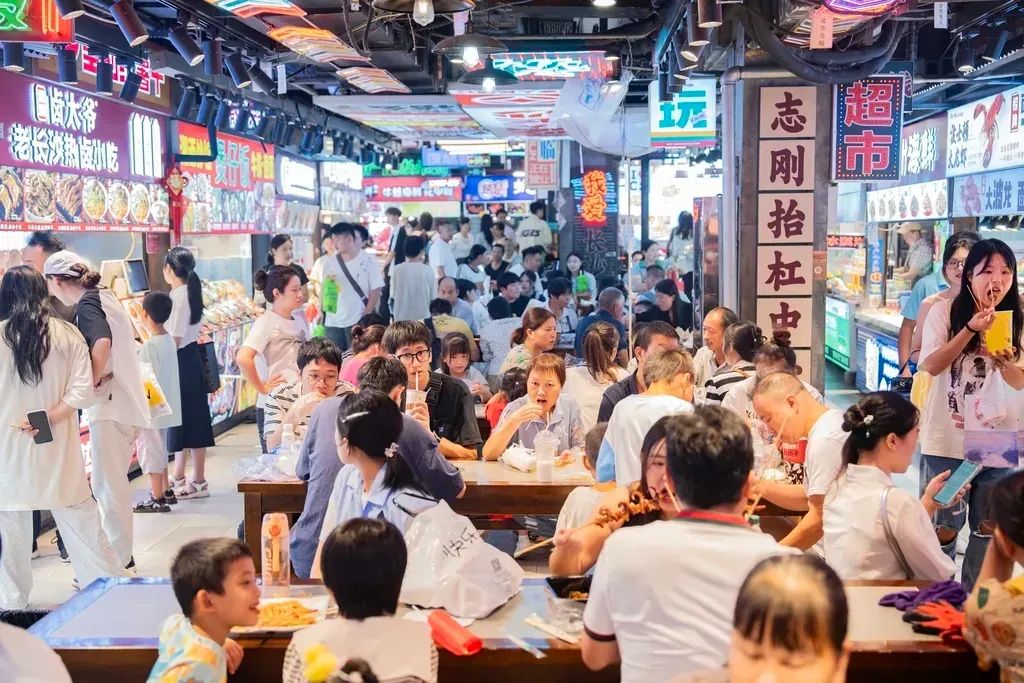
<point x="161" y="353"/>
<point x="582" y="501"/>
<point x="214" y="580"/>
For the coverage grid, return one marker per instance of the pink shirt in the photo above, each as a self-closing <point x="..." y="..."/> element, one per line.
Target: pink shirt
<point x="350" y="369"/>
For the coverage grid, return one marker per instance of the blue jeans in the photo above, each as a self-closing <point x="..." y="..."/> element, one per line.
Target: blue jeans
<point x="976" y="512"/>
<point x="342" y="336"/>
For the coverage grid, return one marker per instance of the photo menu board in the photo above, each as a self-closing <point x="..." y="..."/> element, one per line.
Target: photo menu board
<point x="233" y="194"/>
<point x="76" y="162"/>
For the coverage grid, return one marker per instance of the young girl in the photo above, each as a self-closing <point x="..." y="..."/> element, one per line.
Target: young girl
<point x="512" y="387"/>
<point x="455" y="363"/>
<point x="587" y="383"/>
<point x="365" y="345"/>
<point x="585" y="289"/>
<point x="954" y="352"/>
<point x="883" y="437"/>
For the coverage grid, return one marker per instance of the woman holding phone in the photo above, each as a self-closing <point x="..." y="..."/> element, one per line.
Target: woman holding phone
<point x="45" y="363"/>
<point x="968" y="364"/>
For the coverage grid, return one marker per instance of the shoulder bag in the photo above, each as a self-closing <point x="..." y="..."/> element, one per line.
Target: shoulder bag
<point x="351" y="280"/>
<point x="890" y="537"/>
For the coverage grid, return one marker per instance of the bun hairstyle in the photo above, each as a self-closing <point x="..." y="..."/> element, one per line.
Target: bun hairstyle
<point x="363" y="337"/>
<point x="873" y="418"/>
<point x="274" y="278"/>
<point x="778" y="350"/>
<point x="276" y="242"/>
<point x="183" y="264"/>
<point x="599" y="344"/>
<point x="533" y="319"/>
<point x="745" y="338"/>
<point x="84" y="276"/>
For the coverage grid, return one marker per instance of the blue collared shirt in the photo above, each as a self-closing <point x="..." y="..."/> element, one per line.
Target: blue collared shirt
<point x="924" y="288"/>
<point x="564" y="423"/>
<point x="587" y="321"/>
<point x="348" y="501"/>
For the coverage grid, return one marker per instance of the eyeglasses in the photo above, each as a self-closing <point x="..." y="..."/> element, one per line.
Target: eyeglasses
<point x="955" y="265"/>
<point x="420" y="356"/>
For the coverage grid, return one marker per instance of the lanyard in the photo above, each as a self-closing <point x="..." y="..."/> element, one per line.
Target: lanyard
<point x="708" y="516"/>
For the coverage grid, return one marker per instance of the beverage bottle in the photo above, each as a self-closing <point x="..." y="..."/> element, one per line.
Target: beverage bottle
<point x="287" y="452"/>
<point x="277" y="574"/>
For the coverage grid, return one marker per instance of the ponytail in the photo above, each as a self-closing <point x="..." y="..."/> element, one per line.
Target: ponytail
<point x="183" y="264"/>
<point x="519" y="336"/>
<point x="599" y="342"/>
<point x="533" y="319"/>
<point x="195" y="298"/>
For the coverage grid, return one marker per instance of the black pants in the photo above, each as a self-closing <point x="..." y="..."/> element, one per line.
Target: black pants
<point x="259" y="428"/>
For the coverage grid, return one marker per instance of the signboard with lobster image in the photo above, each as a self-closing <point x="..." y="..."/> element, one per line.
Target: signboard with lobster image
<point x="986" y="135"/>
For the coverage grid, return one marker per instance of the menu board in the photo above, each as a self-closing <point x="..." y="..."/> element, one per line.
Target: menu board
<point x="77" y="162"/>
<point x="233" y="194"/>
<point x="341" y="187"/>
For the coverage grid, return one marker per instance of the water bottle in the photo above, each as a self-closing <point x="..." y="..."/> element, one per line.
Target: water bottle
<point x="288" y="451"/>
<point x="277" y="573"/>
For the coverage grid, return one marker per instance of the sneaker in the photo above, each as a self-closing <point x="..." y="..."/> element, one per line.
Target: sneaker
<point x="170" y="498"/>
<point x="61" y="550"/>
<point x="193" y="489"/>
<point x="74" y="584"/>
<point x="130" y="567"/>
<point x="151" y="505"/>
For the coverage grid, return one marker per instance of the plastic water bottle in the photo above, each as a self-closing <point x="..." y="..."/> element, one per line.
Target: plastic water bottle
<point x="277" y="573"/>
<point x="288" y="451"/>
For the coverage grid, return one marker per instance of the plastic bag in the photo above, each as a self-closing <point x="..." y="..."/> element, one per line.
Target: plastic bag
<point x="989" y="406"/>
<point x="266" y="467"/>
<point x="158" y="405"/>
<point x="451" y="567"/>
<point x="520" y="458"/>
<point x="329" y="295"/>
<point x="922" y="386"/>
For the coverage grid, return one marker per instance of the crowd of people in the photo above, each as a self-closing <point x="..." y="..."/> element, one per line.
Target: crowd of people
<point x="687" y="588"/>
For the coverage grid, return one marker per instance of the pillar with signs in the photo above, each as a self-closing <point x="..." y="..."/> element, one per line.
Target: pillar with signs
<point x="588" y="212"/>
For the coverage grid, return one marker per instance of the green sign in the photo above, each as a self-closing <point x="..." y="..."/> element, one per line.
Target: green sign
<point x="407" y="167"/>
<point x="837" y="332"/>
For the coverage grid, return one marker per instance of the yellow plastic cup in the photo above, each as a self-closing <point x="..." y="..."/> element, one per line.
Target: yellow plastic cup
<point x="999" y="337"/>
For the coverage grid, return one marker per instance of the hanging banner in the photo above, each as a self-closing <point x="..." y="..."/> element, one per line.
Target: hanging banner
<point x="923" y="201"/>
<point x="412" y="188"/>
<point x="923" y="151"/>
<point x="986" y="135"/>
<point x="867" y="119"/>
<point x="989" y="194"/>
<point x="688" y="120"/>
<point x="542" y="165"/>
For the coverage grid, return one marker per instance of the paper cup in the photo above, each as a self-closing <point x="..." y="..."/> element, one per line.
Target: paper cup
<point x="414" y="396"/>
<point x="999" y="337"/>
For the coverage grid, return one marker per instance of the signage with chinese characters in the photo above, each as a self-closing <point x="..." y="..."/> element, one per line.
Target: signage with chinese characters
<point x="441" y="158"/>
<point x="784" y="217"/>
<point x="542" y="161"/>
<point x="989" y="194"/>
<point x="844" y="241"/>
<point x="296" y="178"/>
<point x="923" y="151"/>
<point x="32" y="21"/>
<point x="497" y="189"/>
<point x="878" y="360"/>
<point x="924" y="201"/>
<point x="784" y="112"/>
<point x="786" y="165"/>
<point x="412" y="189"/>
<point x="838" y="324"/>
<point x="154" y="91"/>
<point x="688" y="119"/>
<point x="341" y="187"/>
<point x="595" y="221"/>
<point x="867" y="123"/>
<point x="986" y="135"/>
<point x="554" y="66"/>
<point x="234" y="193"/>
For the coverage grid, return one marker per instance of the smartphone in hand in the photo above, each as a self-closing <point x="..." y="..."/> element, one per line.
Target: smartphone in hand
<point x="41" y="421"/>
<point x="960" y="478"/>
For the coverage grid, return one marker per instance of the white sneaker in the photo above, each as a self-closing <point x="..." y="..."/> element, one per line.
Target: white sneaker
<point x="74" y="584"/>
<point x="192" y="490"/>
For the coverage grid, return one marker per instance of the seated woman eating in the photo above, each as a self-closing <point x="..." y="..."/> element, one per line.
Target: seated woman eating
<point x="543" y="408"/>
<point x="576" y="550"/>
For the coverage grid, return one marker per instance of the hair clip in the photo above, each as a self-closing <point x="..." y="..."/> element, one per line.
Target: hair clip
<point x="390" y="451"/>
<point x="868" y="419"/>
<point x="353" y="416"/>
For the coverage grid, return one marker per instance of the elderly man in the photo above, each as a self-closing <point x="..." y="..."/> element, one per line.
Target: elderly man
<point x="611" y="308"/>
<point x="711" y="356"/>
<point x="440" y="254"/>
<point x="920" y="254"/>
<point x="448" y="290"/>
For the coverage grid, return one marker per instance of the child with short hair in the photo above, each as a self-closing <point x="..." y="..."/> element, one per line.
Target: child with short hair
<point x="581" y="503"/>
<point x="214" y="580"/>
<point x="455" y="362"/>
<point x="363" y="562"/>
<point x="513" y="386"/>
<point x="161" y="352"/>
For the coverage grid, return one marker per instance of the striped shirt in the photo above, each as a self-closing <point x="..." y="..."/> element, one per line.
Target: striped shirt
<point x="281" y="400"/>
<point x="719" y="384"/>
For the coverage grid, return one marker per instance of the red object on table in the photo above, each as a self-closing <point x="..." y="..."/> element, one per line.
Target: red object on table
<point x="452" y="636"/>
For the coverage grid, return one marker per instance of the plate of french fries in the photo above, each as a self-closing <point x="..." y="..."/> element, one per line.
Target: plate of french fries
<point x="287" y="615"/>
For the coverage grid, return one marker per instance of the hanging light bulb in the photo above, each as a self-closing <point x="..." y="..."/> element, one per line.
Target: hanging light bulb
<point x="488" y="85"/>
<point x="470" y="56"/>
<point x="423" y="12"/>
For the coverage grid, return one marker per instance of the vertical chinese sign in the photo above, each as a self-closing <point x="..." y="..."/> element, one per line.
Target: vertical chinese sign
<point x="595" y="225"/>
<point x="785" y="214"/>
<point x="867" y="120"/>
<point x="542" y="165"/>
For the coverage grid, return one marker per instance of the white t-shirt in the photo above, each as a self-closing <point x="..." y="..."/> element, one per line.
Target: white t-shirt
<point x="477" y="277"/>
<point x="631" y="419"/>
<point x="461" y="244"/>
<point x="587" y="391"/>
<point x="276" y="341"/>
<point x="178" y="324"/>
<point x="855" y="543"/>
<point x="441" y="256"/>
<point x="24" y="658"/>
<point x="316" y="273"/>
<point x="162" y="355"/>
<point x="705" y="367"/>
<point x="365" y="272"/>
<point x="739" y="400"/>
<point x="666" y="592"/>
<point x="579" y="507"/>
<point x="824" y="453"/>
<point x="413" y="287"/>
<point x="532" y="232"/>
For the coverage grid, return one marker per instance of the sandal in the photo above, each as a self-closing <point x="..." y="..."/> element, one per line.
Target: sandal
<point x="151" y="505"/>
<point x="192" y="490"/>
<point x="169" y="496"/>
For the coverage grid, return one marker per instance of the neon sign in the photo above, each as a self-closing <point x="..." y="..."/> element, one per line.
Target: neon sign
<point x="247" y="9"/>
<point x="27" y="21"/>
<point x="152" y="81"/>
<point x="554" y="66"/>
<point x="592" y="190"/>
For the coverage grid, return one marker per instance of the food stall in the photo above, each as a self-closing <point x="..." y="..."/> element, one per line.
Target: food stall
<point x="341" y="192"/>
<point x="413" y="195"/>
<point x="489" y="194"/>
<point x="674" y="183"/>
<point x="298" y="203"/>
<point x="226" y="202"/>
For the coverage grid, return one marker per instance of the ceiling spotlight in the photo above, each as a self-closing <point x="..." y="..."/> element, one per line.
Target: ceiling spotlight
<point x="423" y="7"/>
<point x="261" y="81"/>
<point x="603" y="3"/>
<point x="214" y="62"/>
<point x="223" y="118"/>
<point x="242" y="120"/>
<point x="128" y="21"/>
<point x="423" y="12"/>
<point x="239" y="73"/>
<point x="266" y="124"/>
<point x="70" y="9"/>
<point x="307" y="139"/>
<point x="488" y="78"/>
<point x="692" y="54"/>
<point x="183" y="43"/>
<point x="488" y="84"/>
<point x="469" y="48"/>
<point x="104" y="74"/>
<point x="663" y="94"/>
<point x="612" y="55"/>
<point x="695" y="34"/>
<point x="279" y="130"/>
<point x="132" y="83"/>
<point x="207" y="107"/>
<point x="964" y="57"/>
<point x="67" y="66"/>
<point x="471" y="56"/>
<point x="185" y="104"/>
<point x="709" y="13"/>
<point x="14" y="56"/>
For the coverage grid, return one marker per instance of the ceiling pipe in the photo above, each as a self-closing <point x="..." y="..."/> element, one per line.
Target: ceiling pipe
<point x="671" y="16"/>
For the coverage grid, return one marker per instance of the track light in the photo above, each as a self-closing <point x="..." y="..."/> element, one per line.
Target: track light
<point x="266" y="125"/>
<point x="279" y="130"/>
<point x="213" y="64"/>
<point x="236" y="67"/>
<point x="67" y="66"/>
<point x="104" y="75"/>
<point x="692" y="55"/>
<point x="14" y="56"/>
<point x="70" y="9"/>
<point x="223" y="117"/>
<point x="186" y="47"/>
<point x="612" y="55"/>
<point x="695" y="34"/>
<point x="261" y="81"/>
<point x="207" y="107"/>
<point x="128" y="21"/>
<point x="709" y="13"/>
<point x="603" y="3"/>
<point x="307" y="139"/>
<point x="185" y="104"/>
<point x="242" y="120"/>
<point x="663" y="94"/>
<point x="132" y="83"/>
<point x="423" y="11"/>
<point x="964" y="57"/>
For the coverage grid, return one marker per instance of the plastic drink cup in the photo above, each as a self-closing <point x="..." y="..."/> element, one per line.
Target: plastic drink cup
<point x="544" y="446"/>
<point x="999" y="337"/>
<point x="277" y="573"/>
<point x="414" y="396"/>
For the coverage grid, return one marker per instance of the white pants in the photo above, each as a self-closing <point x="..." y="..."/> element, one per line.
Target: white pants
<point x="79" y="525"/>
<point x="111" y="446"/>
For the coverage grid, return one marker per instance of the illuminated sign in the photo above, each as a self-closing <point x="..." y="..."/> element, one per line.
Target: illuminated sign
<point x="554" y="66"/>
<point x="317" y="44"/>
<point x="497" y="189"/>
<point x="878" y="361"/>
<point x="863" y="7"/>
<point x="247" y="9"/>
<point x="372" y="80"/>
<point x="542" y="164"/>
<point x="923" y="151"/>
<point x="688" y="119"/>
<point x="986" y="135"/>
<point x="412" y="188"/>
<point x="343" y="175"/>
<point x="837" y="331"/>
<point x="442" y="158"/>
<point x="28" y="21"/>
<point x="240" y="163"/>
<point x="596" y="223"/>
<point x="923" y="201"/>
<point x="592" y="197"/>
<point x="296" y="179"/>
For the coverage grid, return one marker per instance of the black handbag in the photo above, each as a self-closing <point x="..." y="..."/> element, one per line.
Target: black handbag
<point x="211" y="369"/>
<point x="902" y="385"/>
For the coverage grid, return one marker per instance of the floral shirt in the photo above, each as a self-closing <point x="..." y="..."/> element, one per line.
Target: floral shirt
<point x="518" y="357"/>
<point x="187" y="656"/>
<point x="993" y="626"/>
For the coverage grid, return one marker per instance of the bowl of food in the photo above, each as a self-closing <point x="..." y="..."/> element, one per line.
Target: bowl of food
<point x="11" y="195"/>
<point x="118" y="202"/>
<point x="69" y="198"/>
<point x="139" y="203"/>
<point x="40" y="197"/>
<point x="94" y="200"/>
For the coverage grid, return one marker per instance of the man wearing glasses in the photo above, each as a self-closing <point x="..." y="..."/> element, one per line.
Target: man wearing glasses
<point x="449" y="403"/>
<point x="929" y="289"/>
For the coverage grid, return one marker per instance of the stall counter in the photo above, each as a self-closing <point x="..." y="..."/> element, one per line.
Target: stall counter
<point x="877" y="350"/>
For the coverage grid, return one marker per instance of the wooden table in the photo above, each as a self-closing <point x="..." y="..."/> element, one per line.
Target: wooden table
<point x="110" y="632"/>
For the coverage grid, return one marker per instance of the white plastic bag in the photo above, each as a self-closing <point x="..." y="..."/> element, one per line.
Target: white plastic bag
<point x="519" y="458"/>
<point x="451" y="567"/>
<point x="158" y="406"/>
<point x="990" y="405"/>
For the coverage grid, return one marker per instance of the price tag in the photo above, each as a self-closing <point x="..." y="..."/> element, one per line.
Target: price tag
<point x="822" y="23"/>
<point x="940" y="15"/>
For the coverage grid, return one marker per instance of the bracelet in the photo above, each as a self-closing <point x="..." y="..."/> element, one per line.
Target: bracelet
<point x="971" y="329"/>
